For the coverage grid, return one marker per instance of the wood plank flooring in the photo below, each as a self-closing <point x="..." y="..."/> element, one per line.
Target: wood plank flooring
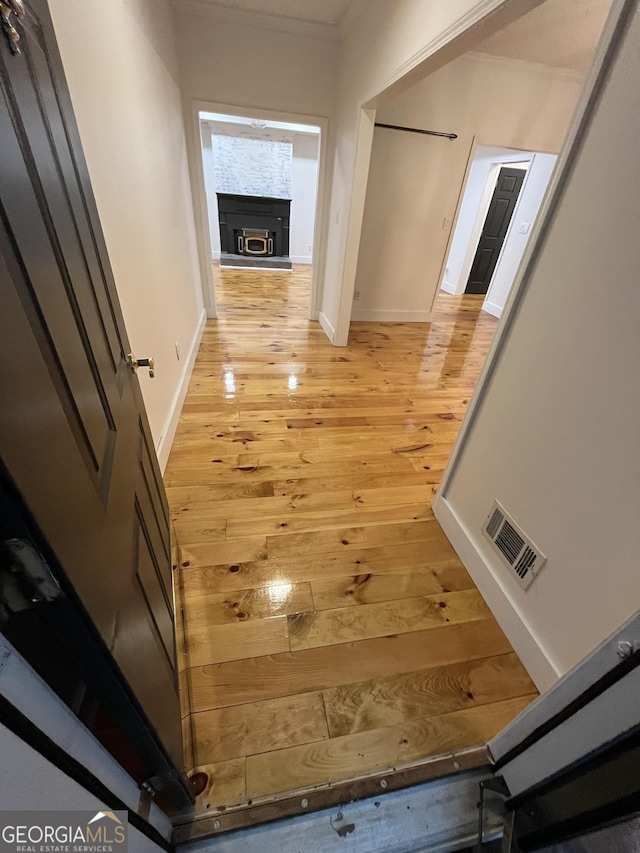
<point x="331" y="630"/>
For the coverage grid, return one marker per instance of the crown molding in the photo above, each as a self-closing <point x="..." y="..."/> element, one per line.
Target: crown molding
<point x="525" y="65"/>
<point x="259" y="20"/>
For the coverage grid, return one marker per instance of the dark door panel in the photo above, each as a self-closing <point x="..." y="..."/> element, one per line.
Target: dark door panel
<point x="497" y="219"/>
<point x="73" y="433"/>
<point x="495" y="229"/>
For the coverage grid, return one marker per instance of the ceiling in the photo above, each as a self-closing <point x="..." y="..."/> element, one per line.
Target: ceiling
<point x="329" y="12"/>
<point x="559" y="33"/>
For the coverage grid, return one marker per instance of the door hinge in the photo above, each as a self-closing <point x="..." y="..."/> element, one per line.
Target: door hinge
<point x="159" y="782"/>
<point x="25" y="578"/>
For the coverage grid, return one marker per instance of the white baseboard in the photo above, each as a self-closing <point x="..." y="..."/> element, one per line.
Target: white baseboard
<point x="171" y="424"/>
<point x="326" y="325"/>
<point x="492" y="308"/>
<point x="384" y="316"/>
<point x="525" y="643"/>
<point x="448" y="288"/>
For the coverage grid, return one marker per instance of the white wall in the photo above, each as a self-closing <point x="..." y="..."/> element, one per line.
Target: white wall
<point x="478" y="191"/>
<point x="244" y="65"/>
<point x="524" y="215"/>
<point x="304" y="185"/>
<point x="304" y="179"/>
<point x="122" y="71"/>
<point x="415" y="182"/>
<point x="553" y="432"/>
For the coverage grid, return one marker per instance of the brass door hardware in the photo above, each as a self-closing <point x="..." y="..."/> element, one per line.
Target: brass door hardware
<point x="134" y="363"/>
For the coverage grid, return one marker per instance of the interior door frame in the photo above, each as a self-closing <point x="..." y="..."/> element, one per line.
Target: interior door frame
<point x="569" y="759"/>
<point x="494" y="175"/>
<point x="200" y="196"/>
<point x="33" y="713"/>
<point x="518" y="156"/>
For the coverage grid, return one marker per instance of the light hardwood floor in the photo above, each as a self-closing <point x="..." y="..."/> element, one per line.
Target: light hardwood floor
<point x="331" y="630"/>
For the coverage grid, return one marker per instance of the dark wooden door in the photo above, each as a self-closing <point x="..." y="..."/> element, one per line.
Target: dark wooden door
<point x="73" y="430"/>
<point x="495" y="228"/>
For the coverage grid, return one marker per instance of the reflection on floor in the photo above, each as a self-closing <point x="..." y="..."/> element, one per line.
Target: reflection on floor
<point x="331" y="629"/>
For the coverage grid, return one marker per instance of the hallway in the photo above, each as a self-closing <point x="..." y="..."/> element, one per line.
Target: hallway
<point x="331" y="630"/>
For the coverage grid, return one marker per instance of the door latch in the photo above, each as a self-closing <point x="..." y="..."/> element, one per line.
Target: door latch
<point x="25" y="579"/>
<point x="134" y="363"/>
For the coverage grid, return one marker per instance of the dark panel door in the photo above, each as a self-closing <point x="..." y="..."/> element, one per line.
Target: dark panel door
<point x="495" y="227"/>
<point x="73" y="431"/>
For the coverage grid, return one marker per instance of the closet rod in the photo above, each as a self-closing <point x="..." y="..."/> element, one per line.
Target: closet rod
<point x="417" y="130"/>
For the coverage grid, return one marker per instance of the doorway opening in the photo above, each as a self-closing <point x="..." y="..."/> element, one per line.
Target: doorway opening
<point x="492" y="230"/>
<point x="260" y="197"/>
<point x="325" y="464"/>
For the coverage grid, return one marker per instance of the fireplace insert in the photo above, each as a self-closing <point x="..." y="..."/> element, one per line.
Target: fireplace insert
<point x="254" y="227"/>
